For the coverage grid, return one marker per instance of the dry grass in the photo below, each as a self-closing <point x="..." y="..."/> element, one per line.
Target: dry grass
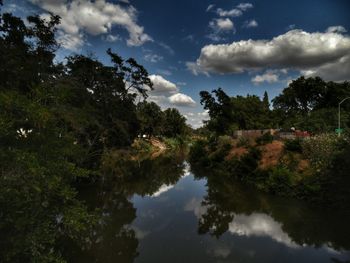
<point x="236" y="153"/>
<point x="270" y="154"/>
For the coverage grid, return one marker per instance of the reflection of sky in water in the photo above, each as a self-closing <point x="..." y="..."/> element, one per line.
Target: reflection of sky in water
<point x="171" y="227"/>
<point x="164" y="187"/>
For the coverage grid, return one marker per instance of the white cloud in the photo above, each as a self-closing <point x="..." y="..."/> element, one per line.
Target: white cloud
<point x="95" y="18"/>
<point x="162" y="189"/>
<point x="219" y="27"/>
<point x="250" y="23"/>
<point x="336" y="29"/>
<point x="231" y="13"/>
<point x="210" y="7"/>
<point x="180" y="99"/>
<point x="71" y="41"/>
<point x="268" y="77"/>
<point x="221" y="24"/>
<point x="162" y="86"/>
<point x="323" y="53"/>
<point x="244" y="6"/>
<point x="112" y="38"/>
<point x="152" y="58"/>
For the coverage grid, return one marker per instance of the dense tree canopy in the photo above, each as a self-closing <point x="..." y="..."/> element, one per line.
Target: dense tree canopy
<point x="307" y="103"/>
<point x="56" y="121"/>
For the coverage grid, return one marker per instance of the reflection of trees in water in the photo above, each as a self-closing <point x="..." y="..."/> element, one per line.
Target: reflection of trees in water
<point x="228" y="200"/>
<point x="115" y="240"/>
<point x="146" y="176"/>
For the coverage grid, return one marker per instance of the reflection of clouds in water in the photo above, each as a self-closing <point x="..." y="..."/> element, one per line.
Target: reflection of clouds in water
<point x="165" y="188"/>
<point x="140" y="234"/>
<point x="221" y="252"/>
<point x="186" y="171"/>
<point x="195" y="205"/>
<point x="258" y="224"/>
<point x="162" y="189"/>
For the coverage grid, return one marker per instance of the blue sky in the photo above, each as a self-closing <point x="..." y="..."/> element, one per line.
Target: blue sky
<point x="245" y="47"/>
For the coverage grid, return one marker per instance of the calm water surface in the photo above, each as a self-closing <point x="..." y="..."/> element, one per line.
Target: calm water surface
<point x="163" y="212"/>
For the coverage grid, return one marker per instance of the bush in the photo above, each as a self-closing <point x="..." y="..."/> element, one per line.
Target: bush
<point x="293" y="145"/>
<point x="321" y="149"/>
<point x="264" y="139"/>
<point x="198" y="151"/>
<point x="243" y="142"/>
<point x="280" y="181"/>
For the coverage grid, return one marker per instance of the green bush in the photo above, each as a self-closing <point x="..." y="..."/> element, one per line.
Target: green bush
<point x="321" y="149"/>
<point x="243" y="142"/>
<point x="198" y="151"/>
<point x="280" y="181"/>
<point x="264" y="139"/>
<point x="293" y="145"/>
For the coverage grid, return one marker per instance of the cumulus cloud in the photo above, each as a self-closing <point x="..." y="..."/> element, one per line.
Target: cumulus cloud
<point x="95" y="18"/>
<point x="221" y="24"/>
<point x="268" y="77"/>
<point x="250" y="23"/>
<point x="320" y="53"/>
<point x="167" y="94"/>
<point x="336" y="29"/>
<point x="219" y="27"/>
<point x="180" y="99"/>
<point x="112" y="38"/>
<point x="162" y="86"/>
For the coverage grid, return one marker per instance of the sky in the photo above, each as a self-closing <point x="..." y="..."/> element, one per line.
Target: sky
<point x="244" y="47"/>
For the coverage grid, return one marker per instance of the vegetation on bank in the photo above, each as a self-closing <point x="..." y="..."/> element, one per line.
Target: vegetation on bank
<point x="58" y="122"/>
<point x="311" y="168"/>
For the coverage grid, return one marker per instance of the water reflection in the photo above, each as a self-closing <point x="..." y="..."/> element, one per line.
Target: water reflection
<point x="231" y="207"/>
<point x="159" y="212"/>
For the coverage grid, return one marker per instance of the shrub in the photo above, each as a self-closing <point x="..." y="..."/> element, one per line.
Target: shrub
<point x="321" y="149"/>
<point x="198" y="151"/>
<point x="243" y="142"/>
<point x="264" y="139"/>
<point x="293" y="145"/>
<point x="280" y="181"/>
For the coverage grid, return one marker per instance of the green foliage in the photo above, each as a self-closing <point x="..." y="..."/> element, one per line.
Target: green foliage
<point x="151" y="118"/>
<point x="228" y="114"/>
<point x="56" y="121"/>
<point x="280" y="181"/>
<point x="198" y="152"/>
<point x="155" y="122"/>
<point x="264" y="139"/>
<point x="293" y="145"/>
<point x="243" y="142"/>
<point x="320" y="150"/>
<point x="174" y="123"/>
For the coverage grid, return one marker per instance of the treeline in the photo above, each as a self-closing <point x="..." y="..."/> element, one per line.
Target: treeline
<point x="307" y="104"/>
<point x="56" y="121"/>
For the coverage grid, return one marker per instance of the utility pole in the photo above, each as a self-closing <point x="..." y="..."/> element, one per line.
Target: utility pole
<point x="339" y="114"/>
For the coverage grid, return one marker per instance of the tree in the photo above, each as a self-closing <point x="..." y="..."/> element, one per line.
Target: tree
<point x="151" y="118"/>
<point x="220" y="110"/>
<point x="174" y="123"/>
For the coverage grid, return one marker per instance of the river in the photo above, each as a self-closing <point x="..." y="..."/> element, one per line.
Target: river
<point x="161" y="211"/>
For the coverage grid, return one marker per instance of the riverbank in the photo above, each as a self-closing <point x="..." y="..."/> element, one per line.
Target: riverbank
<point x="314" y="169"/>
